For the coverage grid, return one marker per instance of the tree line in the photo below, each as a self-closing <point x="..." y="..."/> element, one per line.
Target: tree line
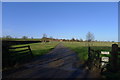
<point x="89" y="38"/>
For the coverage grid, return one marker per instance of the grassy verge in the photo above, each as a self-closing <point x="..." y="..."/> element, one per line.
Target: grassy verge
<point x="81" y="48"/>
<point x="39" y="49"/>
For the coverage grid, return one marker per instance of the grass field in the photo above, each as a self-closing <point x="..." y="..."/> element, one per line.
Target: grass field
<point x="39" y="49"/>
<point x="81" y="48"/>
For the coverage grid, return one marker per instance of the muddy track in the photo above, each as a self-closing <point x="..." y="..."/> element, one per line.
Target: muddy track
<point x="58" y="63"/>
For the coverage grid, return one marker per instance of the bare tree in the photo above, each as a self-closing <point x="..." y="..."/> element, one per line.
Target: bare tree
<point x="90" y="37"/>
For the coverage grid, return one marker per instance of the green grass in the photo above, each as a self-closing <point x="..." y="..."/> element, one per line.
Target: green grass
<point x="81" y="48"/>
<point x="39" y="49"/>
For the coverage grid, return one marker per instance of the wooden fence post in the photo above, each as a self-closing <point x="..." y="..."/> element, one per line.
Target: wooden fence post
<point x="89" y="64"/>
<point x="114" y="58"/>
<point x="30" y="51"/>
<point x="88" y="52"/>
<point x="6" y="56"/>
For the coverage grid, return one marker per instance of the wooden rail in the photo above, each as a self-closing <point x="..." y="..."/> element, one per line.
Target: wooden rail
<point x="16" y="55"/>
<point x="114" y="60"/>
<point x="23" y="51"/>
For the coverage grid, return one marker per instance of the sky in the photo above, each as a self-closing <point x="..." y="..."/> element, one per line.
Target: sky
<point x="61" y="19"/>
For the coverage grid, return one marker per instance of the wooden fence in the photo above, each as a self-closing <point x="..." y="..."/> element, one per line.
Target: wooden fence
<point x="113" y="61"/>
<point x="28" y="50"/>
<point x="115" y="58"/>
<point x="93" y="58"/>
<point x="14" y="55"/>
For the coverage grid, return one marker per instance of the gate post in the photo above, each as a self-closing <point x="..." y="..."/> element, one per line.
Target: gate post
<point x="88" y="52"/>
<point x="114" y="58"/>
<point x="89" y="58"/>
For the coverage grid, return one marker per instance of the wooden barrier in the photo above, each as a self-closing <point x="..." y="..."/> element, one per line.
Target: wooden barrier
<point x="24" y="51"/>
<point x="14" y="55"/>
<point x="93" y="58"/>
<point x="113" y="61"/>
<point x="114" y="58"/>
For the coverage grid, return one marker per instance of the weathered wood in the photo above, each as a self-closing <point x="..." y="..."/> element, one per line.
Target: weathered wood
<point x="114" y="58"/>
<point x="26" y="51"/>
<point x="88" y="52"/>
<point x="112" y="61"/>
<point x="93" y="59"/>
<point x="30" y="51"/>
<point x="6" y="57"/>
<point x="119" y="49"/>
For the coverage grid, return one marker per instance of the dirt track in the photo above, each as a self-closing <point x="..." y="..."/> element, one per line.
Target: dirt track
<point x="59" y="63"/>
